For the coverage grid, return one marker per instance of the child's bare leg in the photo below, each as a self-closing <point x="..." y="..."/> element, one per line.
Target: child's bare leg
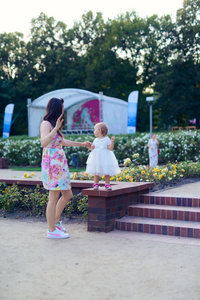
<point x="66" y="196"/>
<point x="96" y="179"/>
<point x="51" y="209"/>
<point x="107" y="179"/>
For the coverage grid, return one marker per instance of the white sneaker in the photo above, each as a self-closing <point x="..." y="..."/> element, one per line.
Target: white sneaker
<point x="60" y="227"/>
<point x="108" y="187"/>
<point x="95" y="186"/>
<point x="57" y="234"/>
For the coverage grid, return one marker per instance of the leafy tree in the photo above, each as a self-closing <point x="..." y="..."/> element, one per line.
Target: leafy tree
<point x="104" y="69"/>
<point x="177" y="82"/>
<point x="187" y="33"/>
<point x="179" y="92"/>
<point x="11" y="48"/>
<point x="152" y="55"/>
<point x="56" y="64"/>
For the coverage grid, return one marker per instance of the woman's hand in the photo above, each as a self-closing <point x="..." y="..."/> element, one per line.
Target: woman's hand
<point x="90" y="146"/>
<point x="86" y="144"/>
<point x="59" y="122"/>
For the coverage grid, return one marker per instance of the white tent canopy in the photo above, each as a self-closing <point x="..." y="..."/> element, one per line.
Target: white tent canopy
<point x="113" y="111"/>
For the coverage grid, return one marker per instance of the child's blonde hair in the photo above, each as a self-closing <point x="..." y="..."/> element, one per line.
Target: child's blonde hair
<point x="103" y="127"/>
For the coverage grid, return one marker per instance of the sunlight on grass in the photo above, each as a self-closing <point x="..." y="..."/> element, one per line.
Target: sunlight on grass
<point x="38" y="169"/>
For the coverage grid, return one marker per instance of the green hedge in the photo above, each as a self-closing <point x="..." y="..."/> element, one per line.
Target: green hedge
<point x="34" y="200"/>
<point x="174" y="146"/>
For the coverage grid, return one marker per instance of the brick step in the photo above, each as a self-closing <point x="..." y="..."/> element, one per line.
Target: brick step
<point x="167" y="200"/>
<point x="159" y="226"/>
<point x="165" y="212"/>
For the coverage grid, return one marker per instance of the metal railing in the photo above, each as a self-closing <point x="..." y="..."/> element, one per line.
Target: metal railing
<point x="71" y="129"/>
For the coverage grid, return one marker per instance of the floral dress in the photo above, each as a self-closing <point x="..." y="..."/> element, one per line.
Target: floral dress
<point x="55" y="170"/>
<point x="153" y="153"/>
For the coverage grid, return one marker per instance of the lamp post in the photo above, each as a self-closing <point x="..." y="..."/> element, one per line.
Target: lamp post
<point x="29" y="116"/>
<point x="150" y="100"/>
<point x="100" y="107"/>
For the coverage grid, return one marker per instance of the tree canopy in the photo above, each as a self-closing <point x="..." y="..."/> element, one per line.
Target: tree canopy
<point x="153" y="55"/>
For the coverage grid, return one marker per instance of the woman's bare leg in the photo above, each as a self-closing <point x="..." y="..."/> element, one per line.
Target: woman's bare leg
<point x="66" y="196"/>
<point x="51" y="209"/>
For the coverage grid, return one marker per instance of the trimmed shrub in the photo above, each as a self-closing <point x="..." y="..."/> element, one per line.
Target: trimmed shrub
<point x="34" y="201"/>
<point x="174" y="146"/>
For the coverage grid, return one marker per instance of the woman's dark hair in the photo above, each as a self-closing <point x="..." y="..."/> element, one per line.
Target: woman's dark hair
<point x="53" y="111"/>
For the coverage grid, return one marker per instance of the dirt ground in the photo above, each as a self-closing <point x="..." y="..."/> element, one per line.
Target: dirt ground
<point x="95" y="266"/>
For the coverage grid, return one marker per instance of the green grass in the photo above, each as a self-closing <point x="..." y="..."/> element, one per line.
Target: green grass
<point x="77" y="170"/>
<point x="29" y="168"/>
<point x="38" y="169"/>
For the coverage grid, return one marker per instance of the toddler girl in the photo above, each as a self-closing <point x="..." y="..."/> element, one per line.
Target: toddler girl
<point x="101" y="160"/>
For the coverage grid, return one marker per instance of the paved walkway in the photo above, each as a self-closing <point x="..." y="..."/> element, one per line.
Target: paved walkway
<point x="96" y="266"/>
<point x="8" y="173"/>
<point x="190" y="190"/>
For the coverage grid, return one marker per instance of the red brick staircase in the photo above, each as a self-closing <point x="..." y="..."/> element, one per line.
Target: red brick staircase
<point x="163" y="215"/>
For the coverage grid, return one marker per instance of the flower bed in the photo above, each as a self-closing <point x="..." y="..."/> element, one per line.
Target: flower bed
<point x="141" y="173"/>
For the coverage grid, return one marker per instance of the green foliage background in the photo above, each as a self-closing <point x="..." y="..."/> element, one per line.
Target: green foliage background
<point x="152" y="55"/>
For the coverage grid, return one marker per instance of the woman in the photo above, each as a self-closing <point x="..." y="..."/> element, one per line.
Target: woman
<point x="153" y="151"/>
<point x="55" y="171"/>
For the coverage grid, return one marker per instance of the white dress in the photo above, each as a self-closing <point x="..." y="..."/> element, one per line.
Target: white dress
<point x="153" y="153"/>
<point x="102" y="161"/>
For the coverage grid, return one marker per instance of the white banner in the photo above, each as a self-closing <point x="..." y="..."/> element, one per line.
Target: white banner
<point x="132" y="111"/>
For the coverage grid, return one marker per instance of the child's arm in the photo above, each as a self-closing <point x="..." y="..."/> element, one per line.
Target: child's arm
<point x="111" y="146"/>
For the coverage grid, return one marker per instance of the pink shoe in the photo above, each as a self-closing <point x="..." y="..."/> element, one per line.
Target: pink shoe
<point x="108" y="187"/>
<point x="95" y="186"/>
<point x="57" y="234"/>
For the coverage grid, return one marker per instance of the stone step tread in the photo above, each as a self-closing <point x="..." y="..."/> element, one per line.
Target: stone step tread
<point x="162" y="222"/>
<point x="167" y="196"/>
<point x="166" y="207"/>
<point x="172" y="201"/>
<point x="152" y="195"/>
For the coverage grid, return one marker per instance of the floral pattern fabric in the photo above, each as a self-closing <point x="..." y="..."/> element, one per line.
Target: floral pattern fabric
<point x="55" y="170"/>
